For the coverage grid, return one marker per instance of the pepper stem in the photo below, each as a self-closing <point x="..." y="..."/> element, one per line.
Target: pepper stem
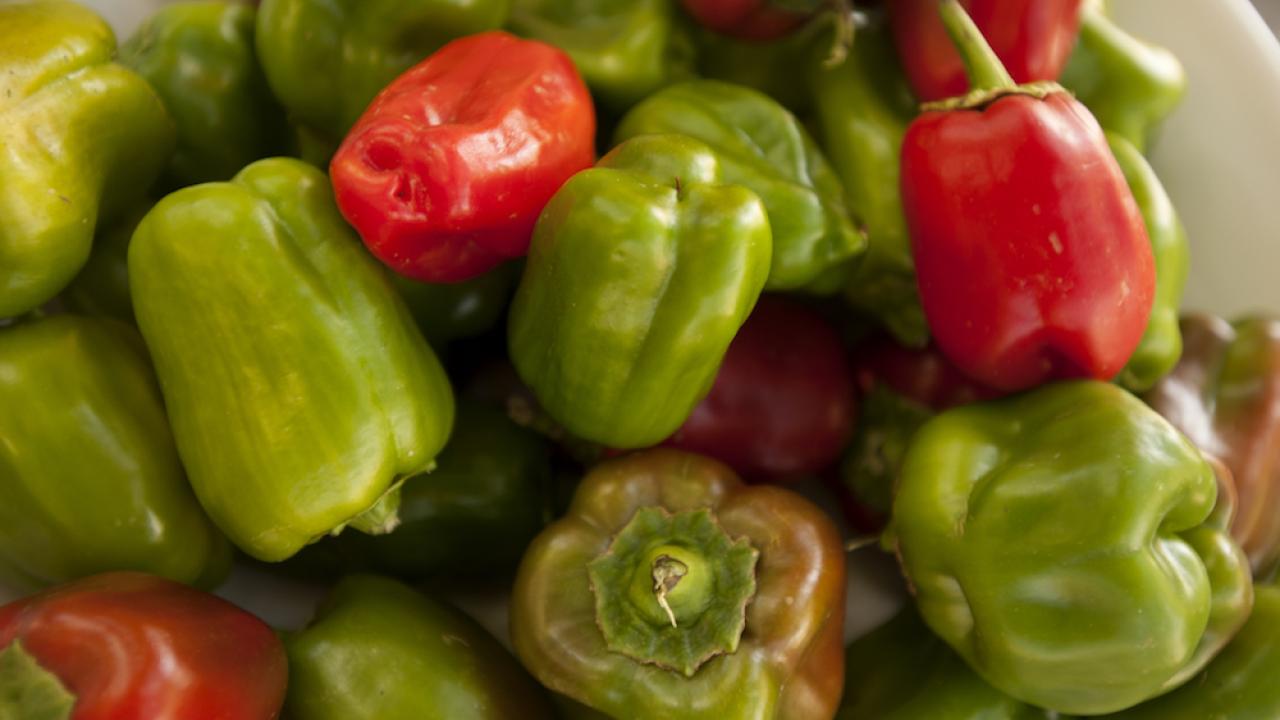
<point x="667" y="572"/>
<point x="981" y="64"/>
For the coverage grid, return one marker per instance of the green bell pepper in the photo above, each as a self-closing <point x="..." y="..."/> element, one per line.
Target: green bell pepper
<point x="300" y="392"/>
<point x="862" y="109"/>
<point x="379" y="650"/>
<point x="1161" y="344"/>
<point x="762" y="146"/>
<point x="886" y="423"/>
<point x="473" y="516"/>
<point x="625" y="50"/>
<point x="1066" y="543"/>
<point x="88" y="471"/>
<point x="769" y="67"/>
<point x="200" y="58"/>
<point x="640" y="272"/>
<point x="326" y="59"/>
<point x="1239" y="684"/>
<point x="1130" y="85"/>
<point x="450" y="311"/>
<point x="102" y="286"/>
<point x="82" y="137"/>
<point x="902" y="671"/>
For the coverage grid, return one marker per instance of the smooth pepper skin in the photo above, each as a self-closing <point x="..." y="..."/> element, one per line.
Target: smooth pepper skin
<point x="861" y="110"/>
<point x="380" y="650"/>
<point x="625" y="50"/>
<point x="451" y="311"/>
<point x="641" y="271"/>
<point x="902" y="671"/>
<point x="1161" y="344"/>
<point x="446" y="172"/>
<point x="326" y="59"/>
<point x="1239" y="684"/>
<point x="763" y="147"/>
<point x="299" y="391"/>
<point x="1032" y="259"/>
<point x="1225" y="395"/>
<point x="473" y="516"/>
<point x="1066" y="543"/>
<point x="102" y="285"/>
<point x="755" y="20"/>
<point x="599" y="562"/>
<point x="782" y="404"/>
<point x="200" y="58"/>
<point x="81" y="140"/>
<point x="88" y="469"/>
<point x="1033" y="38"/>
<point x="1129" y="85"/>
<point x="132" y="645"/>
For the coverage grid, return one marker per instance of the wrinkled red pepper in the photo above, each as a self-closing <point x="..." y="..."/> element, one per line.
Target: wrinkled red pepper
<point x="782" y="404"/>
<point x="1032" y="259"/>
<point x="758" y="20"/>
<point x="131" y="645"/>
<point x="448" y="169"/>
<point x="1033" y="38"/>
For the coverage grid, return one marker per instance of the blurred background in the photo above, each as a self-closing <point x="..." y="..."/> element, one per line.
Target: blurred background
<point x="1270" y="10"/>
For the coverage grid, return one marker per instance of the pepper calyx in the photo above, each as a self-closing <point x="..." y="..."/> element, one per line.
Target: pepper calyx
<point x="27" y="690"/>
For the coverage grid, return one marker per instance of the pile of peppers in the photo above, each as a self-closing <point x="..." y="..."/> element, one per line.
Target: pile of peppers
<point x="640" y="321"/>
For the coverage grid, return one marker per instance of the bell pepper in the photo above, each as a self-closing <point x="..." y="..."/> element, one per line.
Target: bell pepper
<point x="755" y="20"/>
<point x="782" y="404"/>
<point x="1031" y="255"/>
<point x="131" y="645"/>
<point x="1129" y="85"/>
<point x="1161" y="344"/>
<point x="902" y="671"/>
<point x="1239" y="683"/>
<point x="1225" y="395"/>
<point x="764" y="148"/>
<point x="102" y="285"/>
<point x="325" y="60"/>
<point x="1032" y="38"/>
<point x="300" y="393"/>
<point x="641" y="271"/>
<point x="473" y="516"/>
<point x="625" y="50"/>
<point x="768" y="67"/>
<point x="1066" y="542"/>
<point x="379" y="650"/>
<point x="444" y="182"/>
<point x="83" y="139"/>
<point x="670" y="589"/>
<point x="862" y="108"/>
<point x="199" y="56"/>
<point x="88" y="470"/>
<point x="450" y="311"/>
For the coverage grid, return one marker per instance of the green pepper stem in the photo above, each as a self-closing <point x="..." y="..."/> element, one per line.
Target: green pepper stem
<point x="667" y="572"/>
<point x="981" y="64"/>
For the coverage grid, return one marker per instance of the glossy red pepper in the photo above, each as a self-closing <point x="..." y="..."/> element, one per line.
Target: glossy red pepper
<point x="128" y="645"/>
<point x="1033" y="38"/>
<point x="759" y="20"/>
<point x="1032" y="259"/>
<point x="782" y="403"/>
<point x="447" y="170"/>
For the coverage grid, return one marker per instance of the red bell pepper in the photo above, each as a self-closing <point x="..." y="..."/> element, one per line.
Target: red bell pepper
<point x="758" y="20"/>
<point x="1033" y="38"/>
<point x="1031" y="256"/>
<point x="782" y="404"/>
<point x="448" y="169"/>
<point x="128" y="645"/>
<point x="921" y="375"/>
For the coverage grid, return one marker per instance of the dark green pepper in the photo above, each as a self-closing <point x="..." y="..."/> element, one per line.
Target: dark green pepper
<point x="1128" y="84"/>
<point x="1161" y="344"/>
<point x="379" y="650"/>
<point x="102" y="287"/>
<point x="472" y="516"/>
<point x="300" y="392"/>
<point x="769" y="67"/>
<point x="327" y="59"/>
<point x="1071" y="545"/>
<point x="200" y="58"/>
<point x="640" y="272"/>
<point x="82" y="137"/>
<point x="88" y="470"/>
<point x="448" y="312"/>
<point x="761" y="146"/>
<point x="862" y="108"/>
<point x="624" y="50"/>
<point x="886" y="423"/>
<point x="902" y="671"/>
